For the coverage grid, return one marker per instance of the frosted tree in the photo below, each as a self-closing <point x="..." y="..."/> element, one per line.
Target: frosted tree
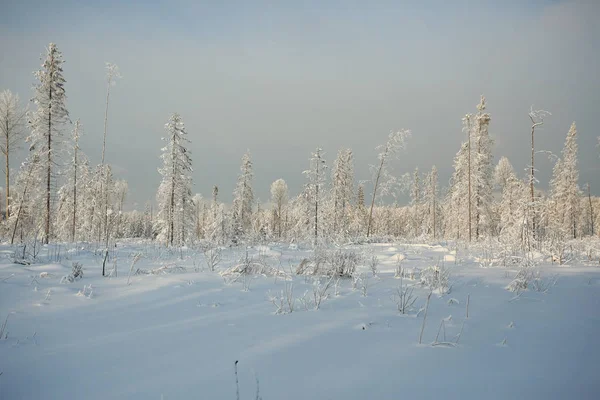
<point x="342" y="179"/>
<point x="199" y="215"/>
<point x="431" y="198"/>
<point x="47" y="122"/>
<point x="174" y="192"/>
<point x="315" y="187"/>
<point x="279" y="198"/>
<point x="12" y="123"/>
<point x="67" y="195"/>
<point x="380" y="173"/>
<point x="415" y="201"/>
<point x="120" y="194"/>
<point x="112" y="74"/>
<point x="243" y="200"/>
<point x="458" y="194"/>
<point x="482" y="173"/>
<point x="25" y="208"/>
<point x="537" y="119"/>
<point x="513" y="205"/>
<point x="564" y="186"/>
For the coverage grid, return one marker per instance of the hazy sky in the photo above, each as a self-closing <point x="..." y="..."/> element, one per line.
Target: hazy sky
<point x="280" y="78"/>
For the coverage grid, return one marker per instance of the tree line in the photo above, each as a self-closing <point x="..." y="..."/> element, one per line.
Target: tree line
<point x="58" y="196"/>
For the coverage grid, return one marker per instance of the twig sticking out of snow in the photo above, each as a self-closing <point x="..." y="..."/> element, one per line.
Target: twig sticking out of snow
<point x="424" y="318"/>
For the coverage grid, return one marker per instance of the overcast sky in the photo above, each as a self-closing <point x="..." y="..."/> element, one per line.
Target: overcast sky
<point x="281" y="78"/>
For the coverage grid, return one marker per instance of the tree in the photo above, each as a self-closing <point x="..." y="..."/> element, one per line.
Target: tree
<point x="537" y="119"/>
<point x="112" y="74"/>
<point x="342" y="177"/>
<point x="47" y="121"/>
<point x="12" y="120"/>
<point x="431" y="197"/>
<point x="243" y="200"/>
<point x="415" y="200"/>
<point x="174" y="192"/>
<point x="565" y="187"/>
<point x="482" y="174"/>
<point x="279" y="198"/>
<point x="67" y="194"/>
<point x="396" y="142"/>
<point x="314" y="187"/>
<point x="513" y="205"/>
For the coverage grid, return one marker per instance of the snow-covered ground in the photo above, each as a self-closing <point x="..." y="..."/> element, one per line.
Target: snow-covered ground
<point x="178" y="334"/>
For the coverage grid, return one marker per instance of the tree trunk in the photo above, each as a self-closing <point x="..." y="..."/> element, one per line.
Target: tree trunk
<point x="375" y="192"/>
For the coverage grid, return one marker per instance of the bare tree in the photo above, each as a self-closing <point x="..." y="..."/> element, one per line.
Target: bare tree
<point x="396" y="142"/>
<point x="537" y="119"/>
<point x="112" y="74"/>
<point x="12" y="119"/>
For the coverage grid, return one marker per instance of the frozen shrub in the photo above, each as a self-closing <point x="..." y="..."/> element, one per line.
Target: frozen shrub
<point x="523" y="277"/>
<point x="339" y="263"/>
<point x="75" y="275"/>
<point x="436" y="278"/>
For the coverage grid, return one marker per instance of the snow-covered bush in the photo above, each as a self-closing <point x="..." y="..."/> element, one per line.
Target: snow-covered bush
<point x="340" y="263"/>
<point x="524" y="275"/>
<point x="436" y="278"/>
<point x="404" y="298"/>
<point x="75" y="275"/>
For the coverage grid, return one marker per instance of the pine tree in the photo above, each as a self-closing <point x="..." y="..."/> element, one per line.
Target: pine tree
<point x="279" y="198"/>
<point x="482" y="173"/>
<point x="243" y="200"/>
<point x="314" y="187"/>
<point x="565" y="192"/>
<point x="47" y="123"/>
<point x="174" y="192"/>
<point x="342" y="177"/>
<point x="431" y="197"/>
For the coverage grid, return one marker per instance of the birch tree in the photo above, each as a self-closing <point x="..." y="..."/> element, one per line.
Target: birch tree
<point x="380" y="173"/>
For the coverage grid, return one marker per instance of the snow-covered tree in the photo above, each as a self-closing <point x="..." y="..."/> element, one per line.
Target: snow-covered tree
<point x="174" y="192"/>
<point x="279" y="198"/>
<point x="342" y="179"/>
<point x="431" y="199"/>
<point x="537" y="119"/>
<point x="564" y="187"/>
<point x="457" y="200"/>
<point x="47" y="123"/>
<point x="26" y="206"/>
<point x="12" y="121"/>
<point x="482" y="172"/>
<point x="513" y="206"/>
<point x="415" y="201"/>
<point x="381" y="177"/>
<point x="68" y="200"/>
<point x="315" y="187"/>
<point x="243" y="200"/>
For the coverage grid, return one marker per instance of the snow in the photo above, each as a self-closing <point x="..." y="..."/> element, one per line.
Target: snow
<point x="178" y="334"/>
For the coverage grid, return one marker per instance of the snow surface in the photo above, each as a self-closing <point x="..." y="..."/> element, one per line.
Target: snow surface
<point x="178" y="335"/>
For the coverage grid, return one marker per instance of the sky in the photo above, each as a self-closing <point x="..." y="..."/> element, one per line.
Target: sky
<point x="282" y="78"/>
